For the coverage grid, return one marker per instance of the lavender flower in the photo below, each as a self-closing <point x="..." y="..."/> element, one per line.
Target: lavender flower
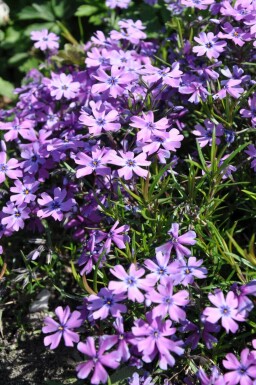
<point x="55" y="206"/>
<point x="177" y="242"/>
<point x="15" y="215"/>
<point x="209" y="45"/>
<point x="97" y="360"/>
<point x="45" y="40"/>
<point x="106" y="302"/>
<point x="8" y="168"/>
<point x="242" y="372"/>
<point x="131" y="282"/>
<point x="64" y="328"/>
<point x="226" y="310"/>
<point x="152" y="337"/>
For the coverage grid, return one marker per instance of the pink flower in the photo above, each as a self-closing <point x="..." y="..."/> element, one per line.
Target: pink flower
<point x="209" y="45"/>
<point x="129" y="164"/>
<point x="94" y="163"/>
<point x="242" y="372"/>
<point x="45" y="40"/>
<point x="7" y="168"/>
<point x="148" y="126"/>
<point x="113" y="83"/>
<point x="63" y="86"/>
<point x="64" y="328"/>
<point x="226" y="309"/>
<point x="177" y="242"/>
<point x="97" y="359"/>
<point x="56" y="206"/>
<point x="130" y="282"/>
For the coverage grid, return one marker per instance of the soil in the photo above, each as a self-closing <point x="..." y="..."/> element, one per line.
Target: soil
<point x="24" y="360"/>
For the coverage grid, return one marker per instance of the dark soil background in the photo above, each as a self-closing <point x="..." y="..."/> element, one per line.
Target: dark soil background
<point x="24" y="360"/>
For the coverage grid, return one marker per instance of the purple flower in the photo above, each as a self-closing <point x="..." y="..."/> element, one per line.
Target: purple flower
<point x="8" y="168"/>
<point x="45" y="40"/>
<point x="117" y="3"/>
<point x="17" y="127"/>
<point x="252" y="112"/>
<point x="100" y="119"/>
<point x="131" y="282"/>
<point x="205" y="135"/>
<point x="97" y="359"/>
<point x="209" y="45"/>
<point x="64" y="328"/>
<point x="226" y="310"/>
<point x="152" y="337"/>
<point x="242" y="372"/>
<point x="169" y="303"/>
<point x="160" y="268"/>
<point x="24" y="191"/>
<point x="190" y="269"/>
<point x="200" y="4"/>
<point x="54" y="206"/>
<point x="106" y="302"/>
<point x="215" y="379"/>
<point x="147" y="125"/>
<point x="94" y="163"/>
<point x="196" y="89"/>
<point x="230" y="87"/>
<point x="63" y="86"/>
<point x="129" y="164"/>
<point x="143" y="380"/>
<point x="115" y="236"/>
<point x="15" y="215"/>
<point x="113" y="83"/>
<point x="122" y="338"/>
<point x="236" y="34"/>
<point x="177" y="242"/>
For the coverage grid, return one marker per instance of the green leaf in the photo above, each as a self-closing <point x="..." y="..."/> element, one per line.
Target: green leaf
<point x="122" y="374"/>
<point x="6" y="89"/>
<point x="36" y="11"/>
<point x="86" y="10"/>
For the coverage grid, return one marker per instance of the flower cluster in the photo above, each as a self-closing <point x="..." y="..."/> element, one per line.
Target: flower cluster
<point x="95" y="150"/>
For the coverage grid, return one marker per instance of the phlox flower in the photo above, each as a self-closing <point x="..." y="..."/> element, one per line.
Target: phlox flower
<point x="24" y="191"/>
<point x="230" y="87"/>
<point x="63" y="86"/>
<point x="64" y="328"/>
<point x="199" y="4"/>
<point x="170" y="76"/>
<point x="169" y="303"/>
<point x="252" y="112"/>
<point x="209" y="45"/>
<point x="148" y="126"/>
<point x="130" y="282"/>
<point x="159" y="268"/>
<point x="18" y="127"/>
<point x="152" y="338"/>
<point x="190" y="269"/>
<point x="170" y="141"/>
<point x="55" y="206"/>
<point x="225" y="309"/>
<point x="97" y="58"/>
<point x="140" y="380"/>
<point x="241" y="10"/>
<point x="100" y="119"/>
<point x="129" y="164"/>
<point x="216" y="377"/>
<point x="7" y="168"/>
<point x="177" y="242"/>
<point x="242" y="292"/>
<point x="105" y="303"/>
<point x="115" y="236"/>
<point x="241" y="372"/>
<point x="117" y="3"/>
<point x="198" y="91"/>
<point x="96" y="359"/>
<point x="113" y="83"/>
<point x="15" y="215"/>
<point x="204" y="134"/>
<point x="236" y="34"/>
<point x="122" y="338"/>
<point x="45" y="40"/>
<point x="87" y="164"/>
<point x="252" y="153"/>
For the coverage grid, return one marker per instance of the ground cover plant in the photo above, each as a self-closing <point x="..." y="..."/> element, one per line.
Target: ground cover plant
<point x="127" y="171"/>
